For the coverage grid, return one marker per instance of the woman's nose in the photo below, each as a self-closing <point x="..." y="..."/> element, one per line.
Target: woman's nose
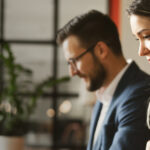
<point x="143" y="50"/>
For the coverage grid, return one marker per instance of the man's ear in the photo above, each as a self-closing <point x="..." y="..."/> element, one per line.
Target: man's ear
<point x="102" y="50"/>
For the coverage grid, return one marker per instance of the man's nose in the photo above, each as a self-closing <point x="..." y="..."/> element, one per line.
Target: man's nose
<point x="73" y="71"/>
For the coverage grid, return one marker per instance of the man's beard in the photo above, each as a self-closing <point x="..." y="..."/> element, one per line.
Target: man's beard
<point x="98" y="78"/>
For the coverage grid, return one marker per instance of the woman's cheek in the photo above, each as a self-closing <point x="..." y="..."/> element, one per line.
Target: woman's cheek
<point x="147" y="44"/>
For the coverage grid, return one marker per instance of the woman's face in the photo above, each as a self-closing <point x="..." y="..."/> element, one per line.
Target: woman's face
<point x="140" y="26"/>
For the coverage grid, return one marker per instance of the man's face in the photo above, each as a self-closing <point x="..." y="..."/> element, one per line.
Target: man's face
<point x="88" y="67"/>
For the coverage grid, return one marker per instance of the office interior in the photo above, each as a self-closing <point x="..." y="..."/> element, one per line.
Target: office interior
<point x="62" y="114"/>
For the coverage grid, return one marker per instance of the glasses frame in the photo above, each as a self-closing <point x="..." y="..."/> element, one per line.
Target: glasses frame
<point x="73" y="61"/>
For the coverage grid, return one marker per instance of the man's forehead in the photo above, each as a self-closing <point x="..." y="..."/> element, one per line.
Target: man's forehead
<point x="71" y="46"/>
<point x="71" y="43"/>
<point x="72" y="40"/>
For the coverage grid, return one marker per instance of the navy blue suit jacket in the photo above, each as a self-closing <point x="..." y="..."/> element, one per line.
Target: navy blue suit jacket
<point x="124" y="126"/>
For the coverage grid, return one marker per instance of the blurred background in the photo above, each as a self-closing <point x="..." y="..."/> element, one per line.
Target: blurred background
<point x="62" y="112"/>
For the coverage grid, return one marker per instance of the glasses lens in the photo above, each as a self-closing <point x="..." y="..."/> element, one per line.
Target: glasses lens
<point x="72" y="63"/>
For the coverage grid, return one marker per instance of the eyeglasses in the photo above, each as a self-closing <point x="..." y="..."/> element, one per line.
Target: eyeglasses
<point x="72" y="61"/>
<point x="144" y="11"/>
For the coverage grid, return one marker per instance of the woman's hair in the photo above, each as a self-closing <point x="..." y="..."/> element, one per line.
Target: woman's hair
<point x="139" y="7"/>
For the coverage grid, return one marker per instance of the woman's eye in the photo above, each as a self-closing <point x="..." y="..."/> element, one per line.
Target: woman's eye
<point x="146" y="37"/>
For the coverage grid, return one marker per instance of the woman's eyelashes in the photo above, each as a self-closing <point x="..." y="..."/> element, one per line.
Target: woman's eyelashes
<point x="143" y="37"/>
<point x="146" y="37"/>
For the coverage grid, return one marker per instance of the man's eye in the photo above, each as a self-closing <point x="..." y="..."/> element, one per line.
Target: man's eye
<point x="68" y="63"/>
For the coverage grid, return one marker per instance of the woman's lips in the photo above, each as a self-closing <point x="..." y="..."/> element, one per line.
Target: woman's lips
<point x="148" y="60"/>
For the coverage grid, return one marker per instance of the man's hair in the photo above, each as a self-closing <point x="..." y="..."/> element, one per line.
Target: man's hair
<point x="90" y="28"/>
<point x="139" y="7"/>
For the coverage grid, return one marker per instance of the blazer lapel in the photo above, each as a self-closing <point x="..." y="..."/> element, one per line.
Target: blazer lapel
<point x="128" y="77"/>
<point x="95" y="117"/>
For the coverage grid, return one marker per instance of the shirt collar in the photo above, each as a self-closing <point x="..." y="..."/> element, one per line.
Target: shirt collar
<point x="106" y="96"/>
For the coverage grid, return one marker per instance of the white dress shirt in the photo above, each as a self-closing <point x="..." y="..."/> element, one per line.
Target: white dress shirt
<point x="105" y="98"/>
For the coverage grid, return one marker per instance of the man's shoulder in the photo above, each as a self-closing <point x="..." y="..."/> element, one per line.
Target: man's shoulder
<point x="134" y="86"/>
<point x="136" y="70"/>
<point x="134" y="81"/>
<point x="135" y="77"/>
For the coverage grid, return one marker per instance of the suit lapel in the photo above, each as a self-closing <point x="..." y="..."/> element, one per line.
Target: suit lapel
<point x="95" y="117"/>
<point x="125" y="81"/>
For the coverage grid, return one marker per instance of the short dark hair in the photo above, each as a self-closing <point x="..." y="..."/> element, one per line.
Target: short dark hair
<point x="90" y="28"/>
<point x="139" y="7"/>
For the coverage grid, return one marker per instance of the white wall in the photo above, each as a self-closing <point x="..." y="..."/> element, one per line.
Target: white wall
<point x="130" y="45"/>
<point x="33" y="19"/>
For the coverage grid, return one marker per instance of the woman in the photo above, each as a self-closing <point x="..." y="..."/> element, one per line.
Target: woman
<point x="139" y="12"/>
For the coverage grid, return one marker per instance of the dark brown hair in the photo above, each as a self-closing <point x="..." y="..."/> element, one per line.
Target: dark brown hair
<point x="139" y="7"/>
<point x="90" y="28"/>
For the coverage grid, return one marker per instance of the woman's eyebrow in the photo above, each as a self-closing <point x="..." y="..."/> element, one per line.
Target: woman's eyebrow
<point x="139" y="32"/>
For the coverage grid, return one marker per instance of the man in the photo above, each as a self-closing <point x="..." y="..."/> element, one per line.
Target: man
<point x="93" y="51"/>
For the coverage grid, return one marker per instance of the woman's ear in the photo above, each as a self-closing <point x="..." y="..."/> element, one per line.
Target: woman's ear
<point x="102" y="50"/>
